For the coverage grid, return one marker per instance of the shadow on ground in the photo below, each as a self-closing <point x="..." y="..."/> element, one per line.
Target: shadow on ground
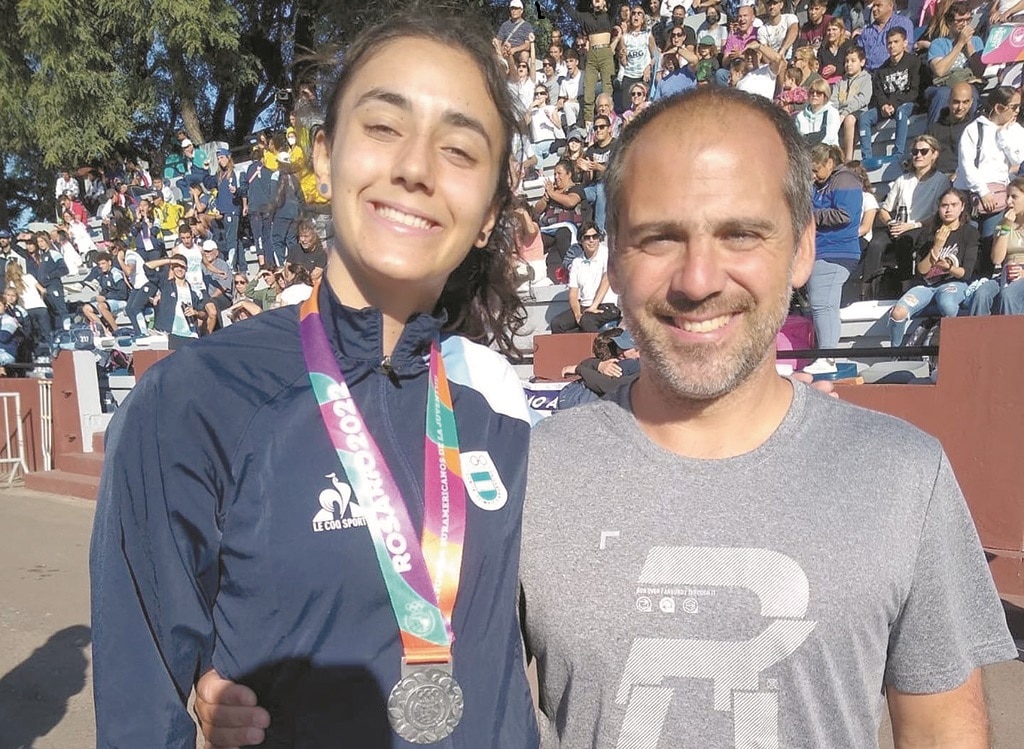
<point x="34" y="694"/>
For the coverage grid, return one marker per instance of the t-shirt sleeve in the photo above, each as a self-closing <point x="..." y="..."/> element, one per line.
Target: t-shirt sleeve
<point x="951" y="621"/>
<point x="939" y="48"/>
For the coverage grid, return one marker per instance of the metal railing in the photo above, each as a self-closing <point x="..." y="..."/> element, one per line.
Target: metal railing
<point x="46" y="422"/>
<point x="13" y="452"/>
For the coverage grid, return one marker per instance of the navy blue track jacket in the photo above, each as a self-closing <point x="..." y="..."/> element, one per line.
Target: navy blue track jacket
<point x="207" y="551"/>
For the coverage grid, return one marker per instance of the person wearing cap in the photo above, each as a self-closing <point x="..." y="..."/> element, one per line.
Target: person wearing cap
<point x="592" y="303"/>
<point x="515" y="33"/>
<point x="230" y="202"/>
<point x="573" y="153"/>
<point x="217" y="283"/>
<point x="7" y="253"/>
<point x="616" y="362"/>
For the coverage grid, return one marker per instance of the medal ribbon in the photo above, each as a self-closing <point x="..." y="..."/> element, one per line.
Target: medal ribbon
<point x="421" y="576"/>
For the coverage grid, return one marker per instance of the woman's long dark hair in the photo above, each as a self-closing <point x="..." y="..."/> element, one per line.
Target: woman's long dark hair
<point x="480" y="297"/>
<point x="964" y="207"/>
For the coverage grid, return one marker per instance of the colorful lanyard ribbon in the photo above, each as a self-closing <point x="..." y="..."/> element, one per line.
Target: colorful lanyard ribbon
<point x="422" y="577"/>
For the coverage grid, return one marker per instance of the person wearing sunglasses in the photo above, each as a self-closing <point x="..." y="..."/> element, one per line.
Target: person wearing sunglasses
<point x="911" y="200"/>
<point x="636" y="52"/>
<point x="545" y="124"/>
<point x="522" y="78"/>
<point x="592" y="303"/>
<point x="638" y="102"/>
<point x="990" y="146"/>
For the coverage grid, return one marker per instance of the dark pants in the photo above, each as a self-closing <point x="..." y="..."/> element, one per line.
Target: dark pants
<point x="58" y="307"/>
<point x="138" y="300"/>
<point x="282" y="237"/>
<point x="881" y="245"/>
<point x="262" y="225"/>
<point x="557" y="247"/>
<point x="590" y="322"/>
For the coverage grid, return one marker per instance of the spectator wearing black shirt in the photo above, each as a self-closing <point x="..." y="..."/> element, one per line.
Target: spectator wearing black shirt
<point x="595" y="161"/>
<point x="951" y="124"/>
<point x="895" y="87"/>
<point x="308" y="250"/>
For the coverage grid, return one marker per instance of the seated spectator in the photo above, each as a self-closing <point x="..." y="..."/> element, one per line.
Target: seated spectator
<point x="196" y="162"/>
<point x="638" y="102"/>
<point x="570" y="92"/>
<point x="167" y="215"/>
<point x="713" y="26"/>
<point x="833" y="50"/>
<point x="894" y="91"/>
<point x="1005" y="295"/>
<point x="792" y="97"/>
<point x="855" y="15"/>
<point x="837" y="201"/>
<point x="912" y="199"/>
<point x="761" y="66"/>
<point x="72" y="257"/>
<point x="180" y="306"/>
<point x="546" y="132"/>
<point x="591" y="301"/>
<point x="549" y="79"/>
<point x="812" y="33"/>
<point x="707" y="60"/>
<point x="874" y="37"/>
<point x="950" y="126"/>
<point x="573" y="154"/>
<point x="604" y="105"/>
<point x="851" y="96"/>
<point x="778" y="30"/>
<point x="30" y="293"/>
<point x="953" y="58"/>
<point x="11" y="332"/>
<point x="616" y="362"/>
<point x="217" y="283"/>
<point x="594" y="164"/>
<point x="561" y="209"/>
<point x="678" y="73"/>
<point x="70" y="205"/>
<point x="946" y="253"/>
<point x="743" y="34"/>
<point x="990" y="147"/>
<point x="1006" y="11"/>
<point x="295" y="285"/>
<point x="528" y="242"/>
<point x="805" y="59"/>
<point x="819" y="121"/>
<point x="265" y="287"/>
<point x="112" y="297"/>
<point x="308" y="250"/>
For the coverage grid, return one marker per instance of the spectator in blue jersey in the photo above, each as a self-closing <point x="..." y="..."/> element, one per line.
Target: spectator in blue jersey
<point x="180" y="307"/>
<point x="259" y="203"/>
<point x="286" y="204"/>
<point x="230" y="202"/>
<point x="837" y="200"/>
<point x="874" y="38"/>
<point x="616" y="362"/>
<point x="112" y="296"/>
<point x="230" y="524"/>
<point x="11" y="331"/>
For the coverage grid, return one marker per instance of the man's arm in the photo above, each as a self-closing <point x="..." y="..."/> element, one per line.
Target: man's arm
<point x="955" y="719"/>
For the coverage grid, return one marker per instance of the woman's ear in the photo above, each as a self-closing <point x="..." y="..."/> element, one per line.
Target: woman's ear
<point x="322" y="164"/>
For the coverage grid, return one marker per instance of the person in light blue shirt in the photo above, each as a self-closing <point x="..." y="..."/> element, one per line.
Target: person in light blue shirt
<point x="952" y="59"/>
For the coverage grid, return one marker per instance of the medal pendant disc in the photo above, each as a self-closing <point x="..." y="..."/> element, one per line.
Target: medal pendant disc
<point x="425" y="706"/>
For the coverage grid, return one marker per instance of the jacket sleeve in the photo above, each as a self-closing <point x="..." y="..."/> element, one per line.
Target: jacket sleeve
<point x="860" y="94"/>
<point x="154" y="568"/>
<point x="847" y="198"/>
<point x="56" y="268"/>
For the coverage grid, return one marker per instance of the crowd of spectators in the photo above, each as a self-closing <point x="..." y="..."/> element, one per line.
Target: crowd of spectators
<point x="843" y="73"/>
<point x="167" y="253"/>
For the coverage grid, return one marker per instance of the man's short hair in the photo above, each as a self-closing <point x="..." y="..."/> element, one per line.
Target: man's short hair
<point x="104" y="256"/>
<point x="858" y="51"/>
<point x="572" y="54"/>
<point x="796" y="182"/>
<point x="818" y="3"/>
<point x="958" y="8"/>
<point x="896" y="31"/>
<point x="184" y="228"/>
<point x="606" y="118"/>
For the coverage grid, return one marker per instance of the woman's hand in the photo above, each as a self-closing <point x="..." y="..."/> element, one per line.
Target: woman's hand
<point x="896" y="230"/>
<point x="828" y="71"/>
<point x="942" y="235"/>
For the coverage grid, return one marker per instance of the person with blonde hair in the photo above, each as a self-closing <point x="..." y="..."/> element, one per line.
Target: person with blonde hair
<point x="819" y="121"/>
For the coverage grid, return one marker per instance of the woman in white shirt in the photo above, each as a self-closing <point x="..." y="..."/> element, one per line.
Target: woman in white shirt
<point x="636" y="49"/>
<point x="31" y="292"/>
<point x="545" y="130"/>
<point x="912" y="198"/>
<point x="990" y="146"/>
<point x="297" y="285"/>
<point x="819" y="121"/>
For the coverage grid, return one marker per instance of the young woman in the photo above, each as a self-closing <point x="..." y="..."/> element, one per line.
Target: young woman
<point x="838" y="201"/>
<point x="229" y="205"/>
<point x="296" y="285"/>
<point x="946" y="254"/>
<point x="638" y="102"/>
<point x="31" y="293"/>
<point x="911" y="200"/>
<point x="545" y="125"/>
<point x="833" y="49"/>
<point x="636" y="52"/>
<point x="1005" y="295"/>
<point x="266" y="489"/>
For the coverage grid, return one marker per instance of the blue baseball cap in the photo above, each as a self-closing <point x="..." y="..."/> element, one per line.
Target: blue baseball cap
<point x="5" y="234"/>
<point x="624" y="340"/>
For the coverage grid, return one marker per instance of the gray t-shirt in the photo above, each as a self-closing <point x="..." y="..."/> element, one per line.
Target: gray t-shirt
<point x="758" y="601"/>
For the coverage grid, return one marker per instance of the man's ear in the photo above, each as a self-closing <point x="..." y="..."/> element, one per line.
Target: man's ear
<point x="803" y="259"/>
<point x="322" y="163"/>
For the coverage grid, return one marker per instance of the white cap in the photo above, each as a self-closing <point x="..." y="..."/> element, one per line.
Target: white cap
<point x="185" y="143"/>
<point x="516" y="4"/>
<point x="209" y="244"/>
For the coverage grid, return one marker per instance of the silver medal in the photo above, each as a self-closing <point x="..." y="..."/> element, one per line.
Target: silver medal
<point x="426" y="705"/>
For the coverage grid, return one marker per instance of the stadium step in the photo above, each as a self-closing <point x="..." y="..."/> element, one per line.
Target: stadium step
<point x="65" y="483"/>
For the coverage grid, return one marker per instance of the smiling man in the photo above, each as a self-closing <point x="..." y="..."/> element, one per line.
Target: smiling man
<point x="743" y="574"/>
